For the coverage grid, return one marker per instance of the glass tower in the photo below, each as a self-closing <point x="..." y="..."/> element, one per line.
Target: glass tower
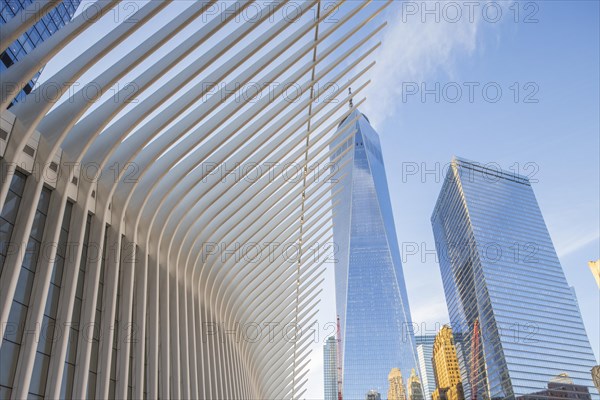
<point x="425" y="354"/>
<point x="506" y="291"/>
<point x="330" y="373"/>
<point x="40" y="31"/>
<point x="371" y="297"/>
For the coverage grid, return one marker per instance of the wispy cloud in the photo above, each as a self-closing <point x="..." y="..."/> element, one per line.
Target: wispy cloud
<point x="575" y="243"/>
<point x="411" y="51"/>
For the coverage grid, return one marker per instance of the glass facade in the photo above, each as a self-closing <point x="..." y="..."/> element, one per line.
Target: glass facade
<point x="13" y="334"/>
<point x="506" y="291"/>
<point x="425" y="354"/>
<point x="40" y="31"/>
<point x="371" y="297"/>
<point x="397" y="389"/>
<point x="11" y="341"/>
<point x="330" y="369"/>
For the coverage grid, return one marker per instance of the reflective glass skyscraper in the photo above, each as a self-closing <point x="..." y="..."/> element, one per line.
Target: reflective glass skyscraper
<point x="506" y="291"/>
<point x="330" y="372"/>
<point x="425" y="353"/>
<point x="371" y="297"/>
<point x="35" y="35"/>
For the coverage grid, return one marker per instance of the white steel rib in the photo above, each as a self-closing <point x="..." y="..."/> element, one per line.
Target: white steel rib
<point x="167" y="232"/>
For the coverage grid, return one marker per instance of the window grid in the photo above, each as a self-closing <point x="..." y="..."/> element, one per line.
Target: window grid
<point x="11" y="342"/>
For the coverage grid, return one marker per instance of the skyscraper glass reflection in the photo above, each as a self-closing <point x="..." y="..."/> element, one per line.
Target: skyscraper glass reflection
<point x="40" y="31"/>
<point x="506" y="291"/>
<point x="414" y="387"/>
<point x="371" y="297"/>
<point x="397" y="389"/>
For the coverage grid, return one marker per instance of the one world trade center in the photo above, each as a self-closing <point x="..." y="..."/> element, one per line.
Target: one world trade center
<point x="371" y="299"/>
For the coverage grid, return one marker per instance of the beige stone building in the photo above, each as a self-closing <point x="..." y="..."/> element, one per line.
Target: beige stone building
<point x="445" y="366"/>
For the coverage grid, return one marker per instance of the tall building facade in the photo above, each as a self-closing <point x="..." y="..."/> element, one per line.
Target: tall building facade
<point x="415" y="389"/>
<point x="371" y="296"/>
<point x="446" y="367"/>
<point x="330" y="369"/>
<point x="425" y="355"/>
<point x="40" y="31"/>
<point x="506" y="291"/>
<point x="396" y="390"/>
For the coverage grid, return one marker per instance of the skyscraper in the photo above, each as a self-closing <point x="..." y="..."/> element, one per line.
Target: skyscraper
<point x="371" y="297"/>
<point x="506" y="291"/>
<point x="425" y="354"/>
<point x="415" y="390"/>
<point x="330" y="369"/>
<point x="446" y="368"/>
<point x="396" y="390"/>
<point x="40" y="31"/>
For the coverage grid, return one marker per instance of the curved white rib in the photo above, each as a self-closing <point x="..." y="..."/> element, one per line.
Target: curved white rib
<point x="185" y="304"/>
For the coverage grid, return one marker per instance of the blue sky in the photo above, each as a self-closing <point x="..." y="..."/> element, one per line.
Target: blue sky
<point x="556" y="138"/>
<point x="558" y="135"/>
<point x="554" y="61"/>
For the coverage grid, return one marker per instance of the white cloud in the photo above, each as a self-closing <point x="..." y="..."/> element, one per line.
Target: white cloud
<point x="411" y="51"/>
<point x="574" y="243"/>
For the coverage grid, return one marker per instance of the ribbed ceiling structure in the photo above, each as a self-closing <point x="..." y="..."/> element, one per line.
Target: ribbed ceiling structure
<point x="161" y="209"/>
